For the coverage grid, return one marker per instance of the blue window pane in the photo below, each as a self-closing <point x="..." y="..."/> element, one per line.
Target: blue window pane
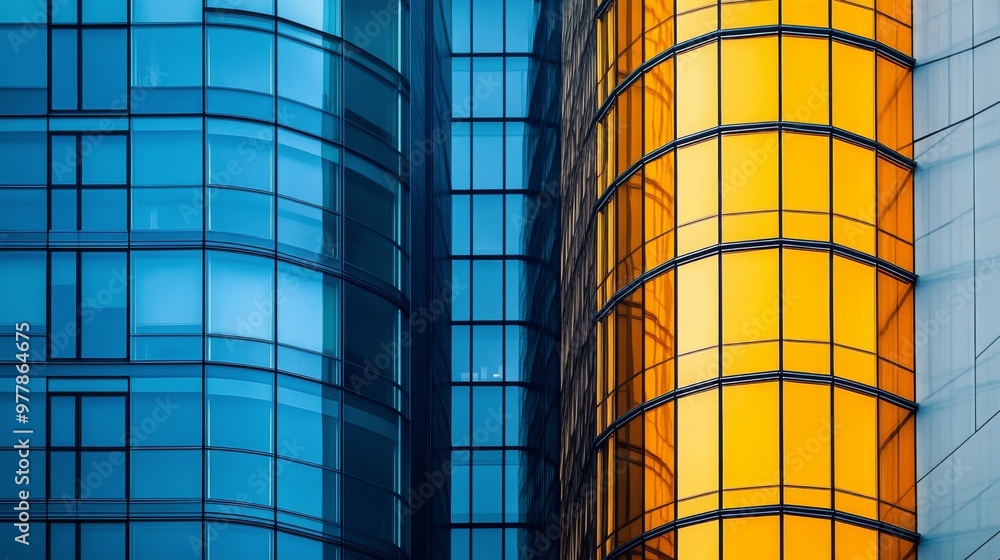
<point x="487" y="83"/>
<point x="22" y="295"/>
<point x="461" y="84"/>
<point x="487" y="145"/>
<point x="63" y="88"/>
<point x="460" y="225"/>
<point x="67" y="11"/>
<point x="516" y="348"/>
<point x="105" y="68"/>
<point x="166" y="292"/>
<point x="487" y="353"/>
<point x="166" y="56"/>
<point x="461" y="154"/>
<point x="309" y="422"/>
<point x="522" y="20"/>
<point x="516" y="84"/>
<point x="460" y="543"/>
<point x="30" y="204"/>
<point x="308" y="170"/>
<point x="519" y="211"/>
<point x="166" y="474"/>
<point x="241" y="59"/>
<point x="487" y="287"/>
<point x="104" y="11"/>
<point x="102" y="475"/>
<point x="461" y="281"/>
<point x="487" y="415"/>
<point x="308" y="310"/>
<point x="240" y="409"/>
<point x="514" y="162"/>
<point x="371" y="324"/>
<point x="64" y="304"/>
<point x="64" y="214"/>
<point x="167" y="209"/>
<point x="165" y="541"/>
<point x="319" y="14"/>
<point x="487" y="484"/>
<point x="103" y="295"/>
<point x="62" y="539"/>
<point x="104" y="210"/>
<point x="15" y="11"/>
<point x="375" y="29"/>
<point x="461" y="26"/>
<point x="487" y="28"/>
<point x="239" y="477"/>
<point x="62" y="421"/>
<point x="371" y="196"/>
<point x="166" y="151"/>
<point x="260" y="6"/>
<point x="240" y="154"/>
<point x="308" y="490"/>
<point x="514" y="298"/>
<point x="309" y="75"/>
<point x="460" y="487"/>
<point x="372" y="512"/>
<point x="103" y="161"/>
<point x="23" y="76"/>
<point x="22" y="155"/>
<point x="461" y="407"/>
<point x="512" y="423"/>
<point x="308" y="231"/>
<point x="65" y="159"/>
<point x="102" y="421"/>
<point x="370" y="252"/>
<point x="375" y="429"/>
<point x="166" y="411"/>
<point x="102" y="541"/>
<point x="62" y="475"/>
<point x="512" y="490"/>
<point x="460" y="356"/>
<point x="372" y="104"/>
<point x="487" y="544"/>
<point x="487" y="223"/>
<point x="157" y="11"/>
<point x="240" y="295"/>
<point x="243" y="542"/>
<point x="303" y="548"/>
<point x="240" y="213"/>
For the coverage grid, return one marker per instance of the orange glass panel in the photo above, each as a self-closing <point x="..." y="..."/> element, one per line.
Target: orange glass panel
<point x="853" y="542"/>
<point x="697" y="23"/>
<point x="751" y="538"/>
<point x="805" y="80"/>
<point x="855" y="443"/>
<point x="697" y="366"/>
<point x="659" y="24"/>
<point x="698" y="88"/>
<point x="750" y="172"/>
<point x="895" y="106"/>
<point x="806" y="295"/>
<point x="853" y="304"/>
<point x="749" y="80"/>
<point x="854" y="19"/>
<point x="750" y="448"/>
<point x="697" y="235"/>
<point x="659" y="101"/>
<point x="805" y="187"/>
<point x="659" y="314"/>
<point x="894" y="34"/>
<point x="659" y="460"/>
<point x="750" y="304"/>
<point x="808" y="436"/>
<point x="684" y="6"/>
<point x="630" y="125"/>
<point x="662" y="547"/>
<point x="897" y="466"/>
<point x="813" y="13"/>
<point x="854" y="88"/>
<point x="895" y="320"/>
<point x="659" y="210"/>
<point x="807" y="538"/>
<point x="749" y="13"/>
<point x="698" y="541"/>
<point x="697" y="181"/>
<point x="854" y="195"/>
<point x="698" y="304"/>
<point x="698" y="446"/>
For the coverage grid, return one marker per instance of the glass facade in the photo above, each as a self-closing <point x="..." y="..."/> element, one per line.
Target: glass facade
<point x="504" y="228"/>
<point x="755" y="286"/>
<point x="208" y="234"/>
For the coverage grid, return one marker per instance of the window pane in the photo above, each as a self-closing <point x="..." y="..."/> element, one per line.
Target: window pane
<point x="235" y="477"/>
<point x="487" y="423"/>
<point x="105" y="67"/>
<point x="303" y="548"/>
<point x="360" y="20"/>
<point x="241" y="59"/>
<point x="697" y="90"/>
<point x="372" y="512"/>
<point x="308" y="490"/>
<point x="166" y="152"/>
<point x="370" y="324"/>
<point x="309" y="418"/>
<point x="241" y="213"/>
<point x="750" y="441"/>
<point x="62" y="539"/>
<point x="104" y="210"/>
<point x="166" y="475"/>
<point x="240" y="409"/>
<point x="487" y="79"/>
<point x="104" y="11"/>
<point x="166" y="209"/>
<point x="165" y="541"/>
<point x="240" y="154"/>
<point x="319" y="14"/>
<point x="103" y="295"/>
<point x="854" y="89"/>
<point x="308" y="310"/>
<point x="166" y="57"/>
<point x="522" y="20"/>
<point x="65" y="69"/>
<point x="102" y="421"/>
<point x="240" y="295"/>
<point x="487" y="290"/>
<point x="487" y="486"/>
<point x="487" y="26"/>
<point x="372" y="104"/>
<point x="516" y="84"/>
<point x="307" y="230"/>
<point x="166" y="411"/>
<point x="23" y="74"/>
<point x="855" y="421"/>
<point x="750" y="308"/>
<point x="309" y="75"/>
<point x="308" y="170"/>
<point x="166" y="294"/>
<point x="62" y="475"/>
<point x="487" y="145"/>
<point x="103" y="161"/>
<point x="487" y="353"/>
<point x="102" y="541"/>
<point x="698" y="445"/>
<point x="102" y="475"/>
<point x="157" y="11"/>
<point x="261" y="6"/>
<point x="31" y="206"/>
<point x="22" y="155"/>
<point x="698" y="301"/>
<point x="240" y="541"/>
<point x="375" y="429"/>
<point x="371" y="197"/>
<point x="62" y="421"/>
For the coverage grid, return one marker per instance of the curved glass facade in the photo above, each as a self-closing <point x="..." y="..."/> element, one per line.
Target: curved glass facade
<point x="210" y="233"/>
<point x="754" y="232"/>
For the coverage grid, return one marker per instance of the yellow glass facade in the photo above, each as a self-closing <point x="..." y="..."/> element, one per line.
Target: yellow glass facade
<point x="755" y="325"/>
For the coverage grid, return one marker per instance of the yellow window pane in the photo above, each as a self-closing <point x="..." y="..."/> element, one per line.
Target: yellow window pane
<point x="698" y="304"/>
<point x="754" y="357"/>
<point x="895" y="106"/>
<point x="697" y="235"/>
<point x="630" y="126"/>
<point x="854" y="181"/>
<point x="894" y="34"/>
<point x="659" y="101"/>
<point x="805" y="172"/>
<point x="659" y="18"/>
<point x="698" y="444"/>
<point x="807" y="538"/>
<point x="806" y="295"/>
<point x="854" y="365"/>
<point x="751" y="307"/>
<point x="659" y="319"/>
<point x="750" y="436"/>
<point x="854" y="19"/>
<point x="806" y="357"/>
<point x="855" y="426"/>
<point x="659" y="193"/>
<point x="697" y="366"/>
<point x="854" y="89"/>
<point x="853" y="304"/>
<point x="698" y="541"/>
<point x="697" y="181"/>
<point x="749" y="13"/>
<point x="751" y="538"/>
<point x="805" y="80"/>
<point x="698" y="88"/>
<point x="743" y="227"/>
<point x="749" y="80"/>
<point x="687" y="5"/>
<point x="805" y="12"/>
<point x="855" y="542"/>
<point x="807" y="435"/>
<point x="697" y="23"/>
<point x="659" y="456"/>
<point x="750" y="172"/>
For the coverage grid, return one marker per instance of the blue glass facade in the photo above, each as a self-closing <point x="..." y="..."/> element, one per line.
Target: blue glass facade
<point x="504" y="240"/>
<point x="205" y="216"/>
